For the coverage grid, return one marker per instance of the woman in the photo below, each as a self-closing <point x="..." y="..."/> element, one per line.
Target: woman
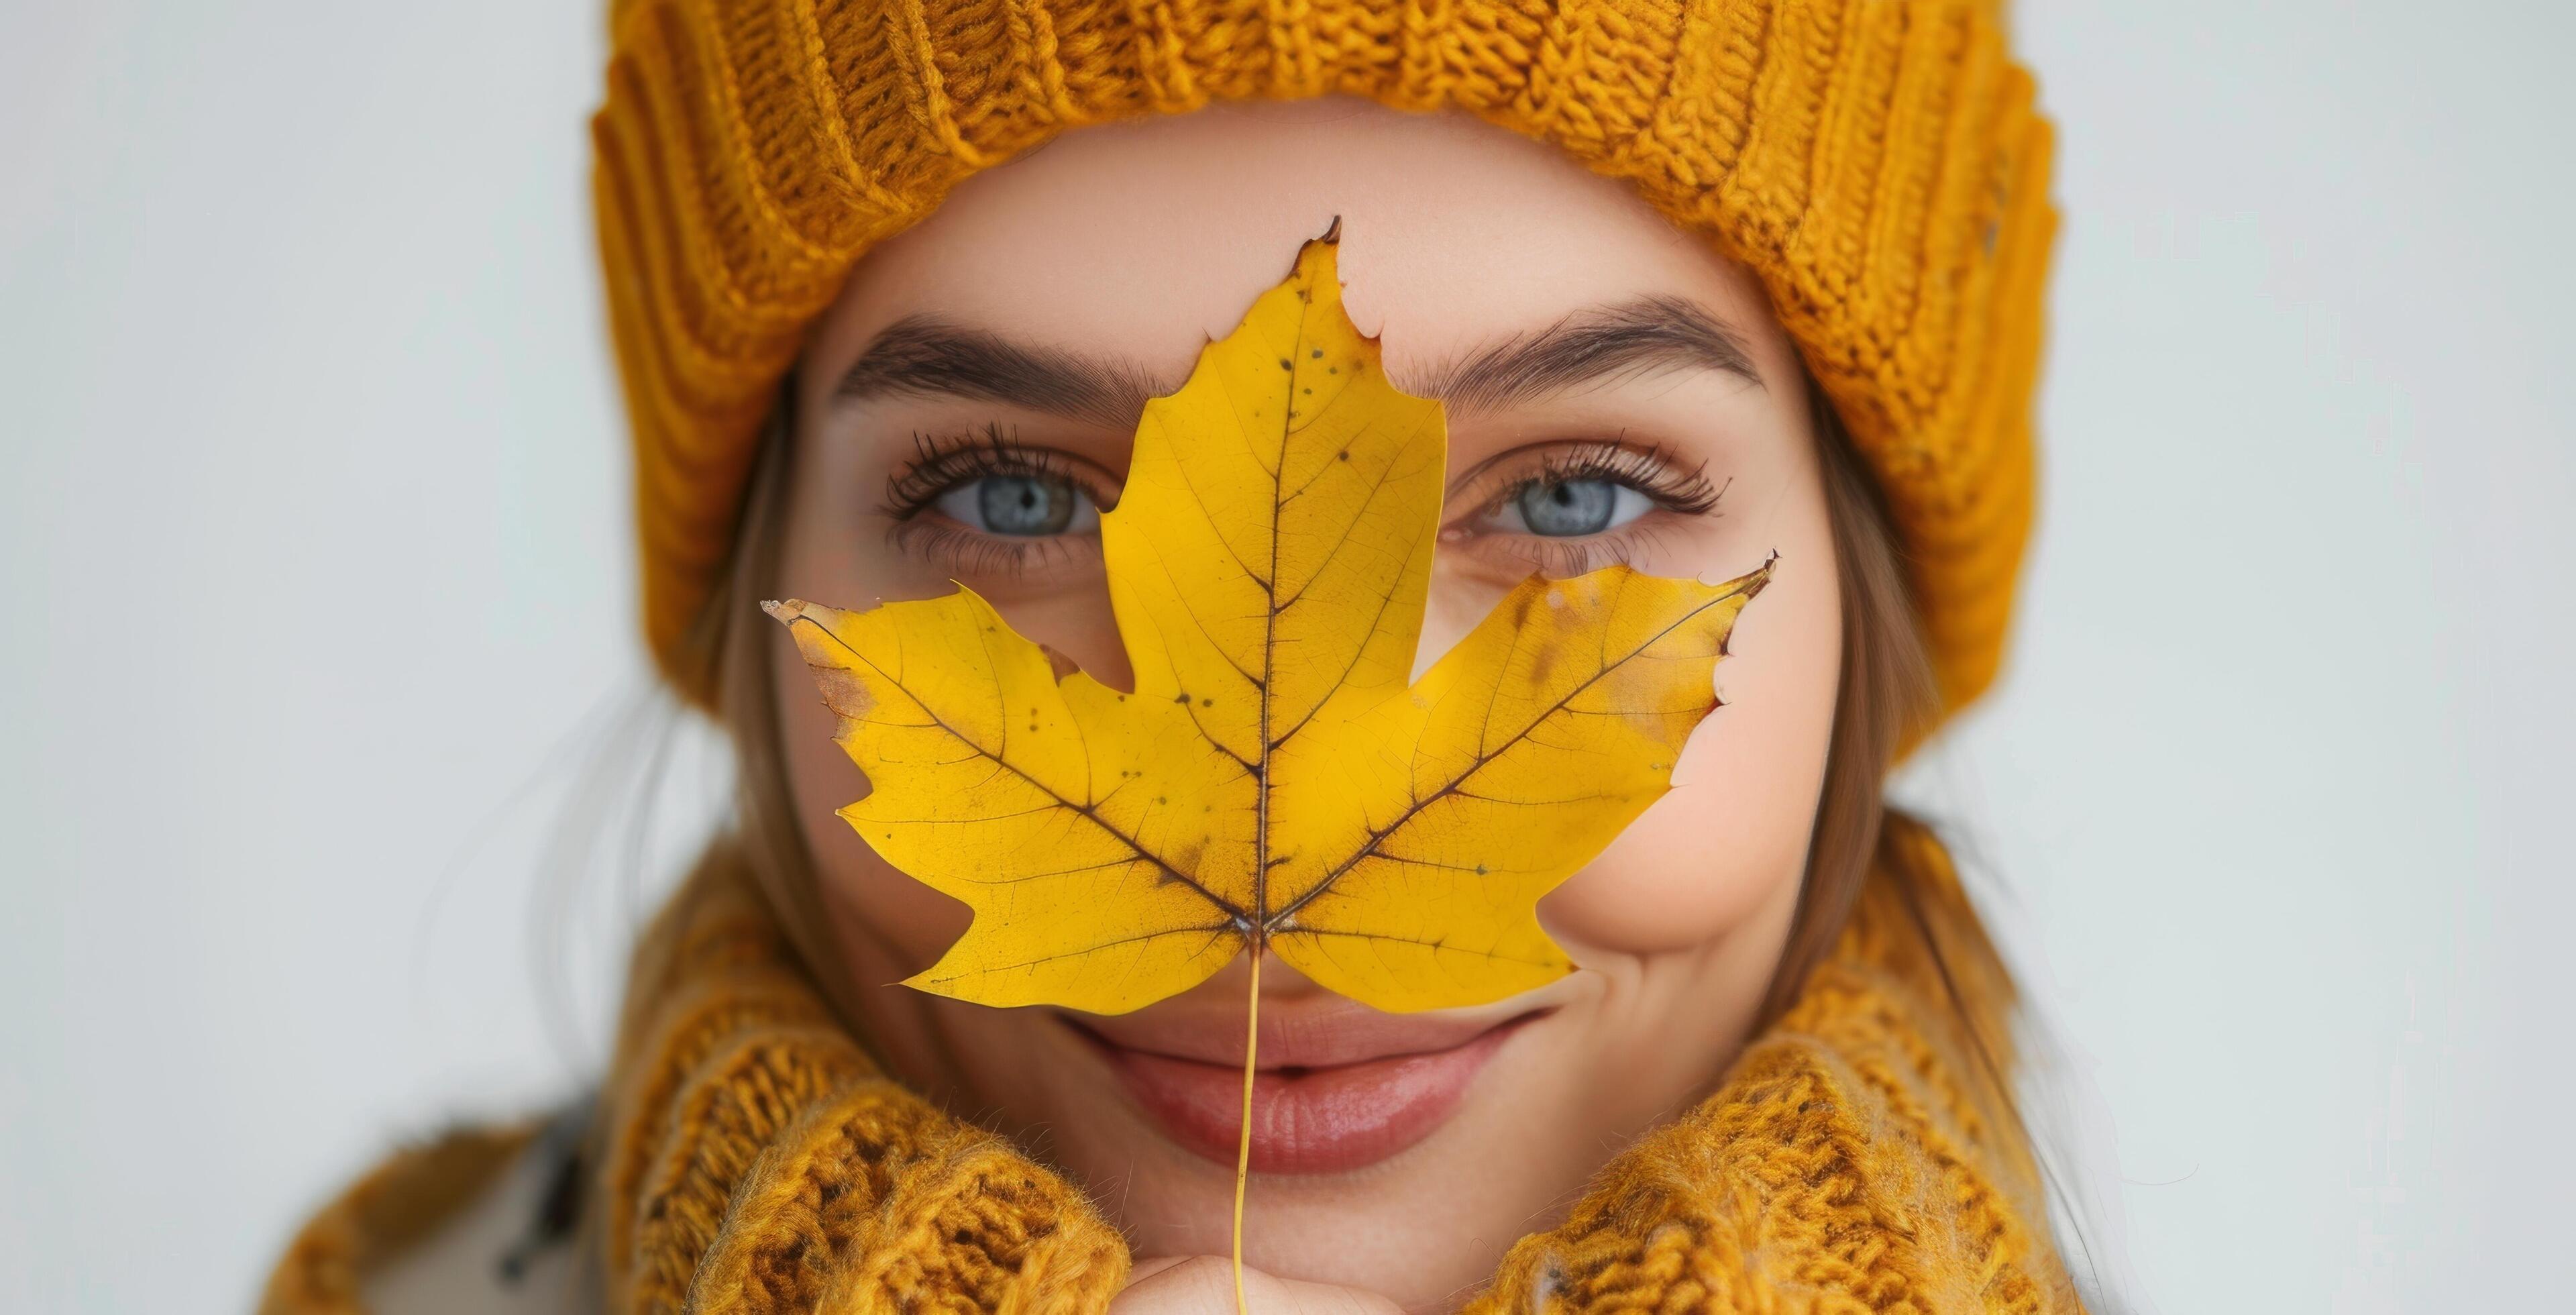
<point x="1698" y="283"/>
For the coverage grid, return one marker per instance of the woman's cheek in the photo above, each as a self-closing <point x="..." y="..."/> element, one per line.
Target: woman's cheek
<point x="1703" y="859"/>
<point x="829" y="557"/>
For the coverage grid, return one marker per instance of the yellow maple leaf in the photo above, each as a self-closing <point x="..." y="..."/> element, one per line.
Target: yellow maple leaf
<point x="1272" y="783"/>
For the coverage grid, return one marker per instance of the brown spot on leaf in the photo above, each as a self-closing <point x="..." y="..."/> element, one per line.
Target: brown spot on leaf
<point x="1185" y="857"/>
<point x="1543" y="661"/>
<point x="843" y="692"/>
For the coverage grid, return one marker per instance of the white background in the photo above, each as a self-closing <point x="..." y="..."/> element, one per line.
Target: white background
<point x="314" y="583"/>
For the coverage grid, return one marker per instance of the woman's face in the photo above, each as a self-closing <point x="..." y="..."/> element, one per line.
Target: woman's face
<point x="1615" y="393"/>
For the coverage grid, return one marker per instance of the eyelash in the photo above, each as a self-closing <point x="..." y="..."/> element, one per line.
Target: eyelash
<point x="1678" y="490"/>
<point x="1645" y="469"/>
<point x="941" y="462"/>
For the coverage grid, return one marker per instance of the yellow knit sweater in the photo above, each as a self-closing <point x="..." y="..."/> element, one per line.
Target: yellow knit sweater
<point x="1857" y="1157"/>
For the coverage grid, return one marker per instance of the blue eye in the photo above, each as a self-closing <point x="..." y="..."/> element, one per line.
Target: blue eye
<point x="1020" y="506"/>
<point x="1570" y="508"/>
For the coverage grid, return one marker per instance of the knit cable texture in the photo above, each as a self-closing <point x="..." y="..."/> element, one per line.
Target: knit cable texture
<point x="757" y="1161"/>
<point x="1856" y="1158"/>
<point x="1877" y="164"/>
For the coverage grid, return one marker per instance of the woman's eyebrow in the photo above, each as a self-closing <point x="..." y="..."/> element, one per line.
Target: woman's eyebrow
<point x="923" y="354"/>
<point x="1590" y="347"/>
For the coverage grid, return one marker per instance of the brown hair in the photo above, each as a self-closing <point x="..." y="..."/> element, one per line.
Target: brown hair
<point x="1884" y="700"/>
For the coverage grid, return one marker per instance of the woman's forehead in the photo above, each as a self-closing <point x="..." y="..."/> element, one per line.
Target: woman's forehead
<point x="1141" y="241"/>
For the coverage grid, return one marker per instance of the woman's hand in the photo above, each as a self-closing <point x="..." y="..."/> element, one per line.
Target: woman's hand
<point x="1204" y="1285"/>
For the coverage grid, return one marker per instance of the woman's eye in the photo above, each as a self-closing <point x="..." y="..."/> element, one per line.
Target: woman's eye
<point x="1569" y="508"/>
<point x="1020" y="506"/>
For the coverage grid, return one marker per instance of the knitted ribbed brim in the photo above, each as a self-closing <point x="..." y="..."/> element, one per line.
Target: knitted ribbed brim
<point x="1876" y="163"/>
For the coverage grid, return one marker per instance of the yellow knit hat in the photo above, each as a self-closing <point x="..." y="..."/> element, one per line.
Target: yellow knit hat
<point x="1876" y="163"/>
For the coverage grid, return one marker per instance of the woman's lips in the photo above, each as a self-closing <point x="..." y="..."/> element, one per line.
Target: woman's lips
<point x="1334" y="1098"/>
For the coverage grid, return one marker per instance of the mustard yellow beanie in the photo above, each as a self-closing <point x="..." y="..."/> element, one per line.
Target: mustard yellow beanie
<point x="1876" y="163"/>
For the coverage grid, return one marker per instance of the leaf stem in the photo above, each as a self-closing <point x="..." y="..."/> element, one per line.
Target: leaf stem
<point x="1243" y="1145"/>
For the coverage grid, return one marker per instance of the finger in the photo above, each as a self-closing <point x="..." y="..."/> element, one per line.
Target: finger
<point x="1146" y="1269"/>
